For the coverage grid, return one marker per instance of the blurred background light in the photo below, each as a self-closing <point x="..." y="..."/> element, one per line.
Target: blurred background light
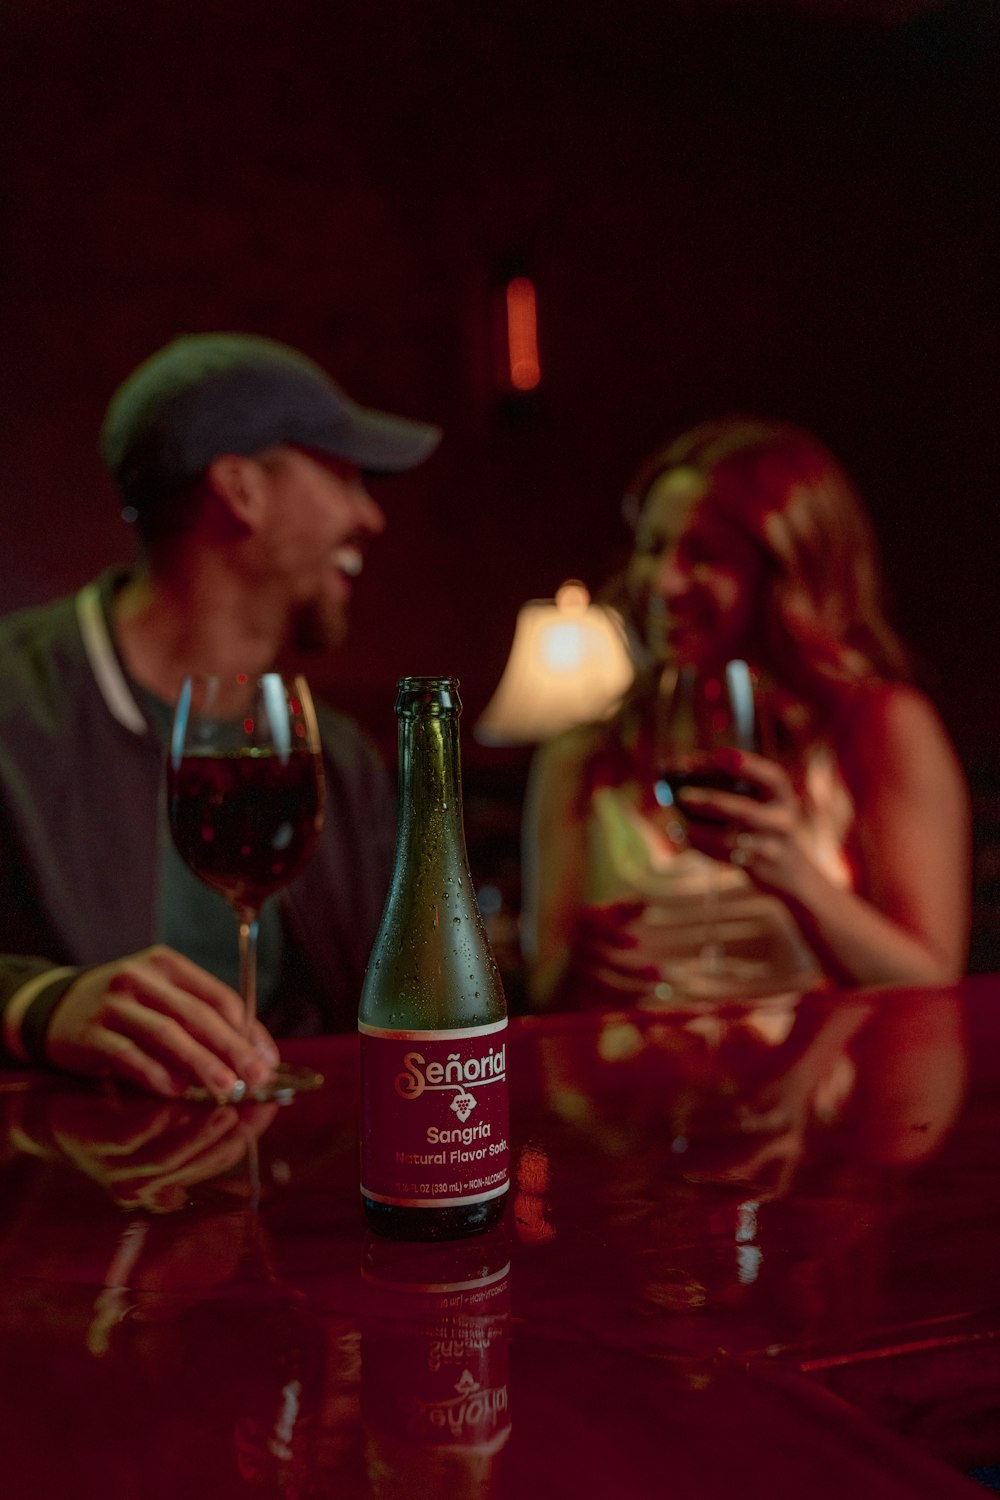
<point x="524" y="369"/>
<point x="569" y="664"/>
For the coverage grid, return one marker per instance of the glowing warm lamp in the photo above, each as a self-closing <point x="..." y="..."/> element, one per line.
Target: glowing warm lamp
<point x="569" y="664"/>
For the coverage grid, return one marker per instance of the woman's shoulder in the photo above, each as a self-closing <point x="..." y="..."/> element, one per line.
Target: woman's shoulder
<point x="891" y="731"/>
<point x="892" y="710"/>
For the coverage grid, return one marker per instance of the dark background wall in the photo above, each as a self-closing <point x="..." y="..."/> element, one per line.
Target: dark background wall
<point x="789" y="208"/>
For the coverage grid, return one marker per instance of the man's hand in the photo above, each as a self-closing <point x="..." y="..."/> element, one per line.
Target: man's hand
<point x="161" y="1022"/>
<point x="149" y="1155"/>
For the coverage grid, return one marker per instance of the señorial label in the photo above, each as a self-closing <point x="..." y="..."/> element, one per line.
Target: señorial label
<point x="434" y="1124"/>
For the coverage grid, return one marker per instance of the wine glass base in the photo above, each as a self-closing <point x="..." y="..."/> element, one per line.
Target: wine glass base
<point x="713" y="980"/>
<point x="285" y="1082"/>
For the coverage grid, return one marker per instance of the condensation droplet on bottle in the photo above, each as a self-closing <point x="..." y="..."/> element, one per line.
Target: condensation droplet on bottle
<point x="456" y="921"/>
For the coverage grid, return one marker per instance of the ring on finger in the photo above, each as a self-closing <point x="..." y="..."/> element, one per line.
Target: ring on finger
<point x="742" y="849"/>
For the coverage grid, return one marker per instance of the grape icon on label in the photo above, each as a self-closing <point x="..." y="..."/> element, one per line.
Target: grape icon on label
<point x="463" y="1105"/>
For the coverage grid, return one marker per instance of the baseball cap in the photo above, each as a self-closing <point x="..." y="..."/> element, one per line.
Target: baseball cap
<point x="207" y="394"/>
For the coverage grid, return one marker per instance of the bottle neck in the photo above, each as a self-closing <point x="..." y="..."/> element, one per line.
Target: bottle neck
<point x="430" y="777"/>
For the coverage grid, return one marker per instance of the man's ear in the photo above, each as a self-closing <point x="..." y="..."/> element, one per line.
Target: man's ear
<point x="237" y="482"/>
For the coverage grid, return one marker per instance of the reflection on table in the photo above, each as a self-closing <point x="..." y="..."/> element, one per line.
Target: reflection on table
<point x="749" y="1246"/>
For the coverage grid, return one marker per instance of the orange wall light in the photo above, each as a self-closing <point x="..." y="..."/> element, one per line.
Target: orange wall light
<point x="523" y="368"/>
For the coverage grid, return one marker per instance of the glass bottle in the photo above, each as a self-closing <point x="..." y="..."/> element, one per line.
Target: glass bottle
<point x="433" y="1017"/>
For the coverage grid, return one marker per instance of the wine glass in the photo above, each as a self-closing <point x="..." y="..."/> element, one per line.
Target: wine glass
<point x="245" y="798"/>
<point x="700" y="710"/>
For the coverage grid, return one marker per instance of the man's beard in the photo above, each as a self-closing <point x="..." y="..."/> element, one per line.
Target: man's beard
<point x="317" y="625"/>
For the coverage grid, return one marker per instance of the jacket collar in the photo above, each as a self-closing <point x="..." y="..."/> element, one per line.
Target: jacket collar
<point x="98" y="643"/>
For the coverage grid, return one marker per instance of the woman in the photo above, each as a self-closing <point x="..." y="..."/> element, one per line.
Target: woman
<point x="846" y="860"/>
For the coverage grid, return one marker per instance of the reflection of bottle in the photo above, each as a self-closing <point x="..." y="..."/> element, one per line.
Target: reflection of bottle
<point x="278" y="1371"/>
<point x="280" y="1386"/>
<point x="434" y="1149"/>
<point x="434" y="1396"/>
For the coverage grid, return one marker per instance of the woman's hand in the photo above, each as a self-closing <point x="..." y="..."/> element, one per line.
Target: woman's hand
<point x="761" y="826"/>
<point x="613" y="953"/>
<point x="161" y="1022"/>
<point x="904" y="917"/>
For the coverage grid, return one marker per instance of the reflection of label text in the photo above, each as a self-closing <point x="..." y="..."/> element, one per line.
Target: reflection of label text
<point x="473" y="1409"/>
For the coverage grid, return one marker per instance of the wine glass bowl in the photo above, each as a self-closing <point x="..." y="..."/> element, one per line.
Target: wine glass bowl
<point x="245" y="796"/>
<point x="674" y="779"/>
<point x="245" y="821"/>
<point x="699" y="716"/>
<point x="703" y="719"/>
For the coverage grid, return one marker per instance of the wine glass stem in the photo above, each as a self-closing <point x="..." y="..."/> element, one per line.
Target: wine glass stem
<point x="248" y="966"/>
<point x="711" y="953"/>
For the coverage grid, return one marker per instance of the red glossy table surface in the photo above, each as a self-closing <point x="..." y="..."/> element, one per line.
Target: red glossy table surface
<point x="748" y="1251"/>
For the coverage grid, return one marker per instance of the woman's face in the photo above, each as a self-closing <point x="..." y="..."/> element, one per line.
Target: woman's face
<point x="694" y="576"/>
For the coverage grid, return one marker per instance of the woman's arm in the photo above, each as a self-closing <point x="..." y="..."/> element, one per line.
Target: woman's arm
<point x="907" y="922"/>
<point x="914" y="842"/>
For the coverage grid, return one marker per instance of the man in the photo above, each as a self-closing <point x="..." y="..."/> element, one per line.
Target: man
<point x="243" y="467"/>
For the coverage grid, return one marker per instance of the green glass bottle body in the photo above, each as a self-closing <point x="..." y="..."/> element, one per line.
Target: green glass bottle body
<point x="433" y="1016"/>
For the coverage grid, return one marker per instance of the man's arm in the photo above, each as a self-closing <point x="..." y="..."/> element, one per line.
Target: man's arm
<point x="29" y="990"/>
<point x="153" y="1018"/>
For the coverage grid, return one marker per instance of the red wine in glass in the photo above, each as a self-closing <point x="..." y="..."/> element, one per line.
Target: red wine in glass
<point x="700" y="713"/>
<point x="245" y="807"/>
<point x="245" y="821"/>
<point x="671" y="781"/>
